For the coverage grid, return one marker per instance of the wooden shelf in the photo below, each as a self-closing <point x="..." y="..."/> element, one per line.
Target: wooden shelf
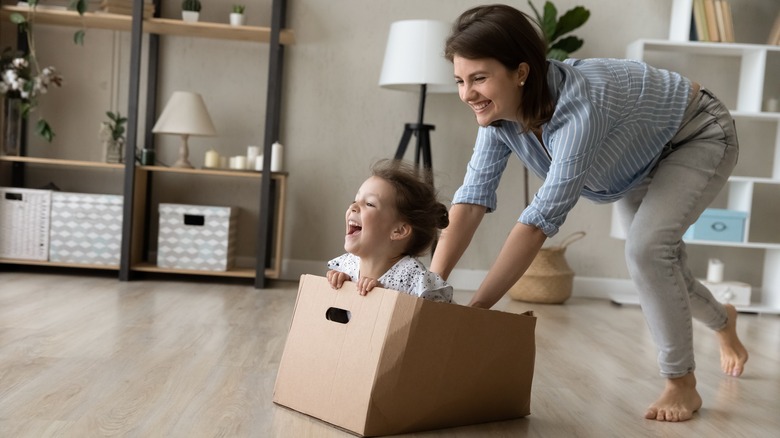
<point x="58" y="264"/>
<point x="160" y="26"/>
<point x="216" y="172"/>
<point x="237" y="272"/>
<point x="60" y="162"/>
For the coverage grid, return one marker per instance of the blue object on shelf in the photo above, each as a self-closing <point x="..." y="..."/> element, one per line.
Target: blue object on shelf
<point x="719" y="225"/>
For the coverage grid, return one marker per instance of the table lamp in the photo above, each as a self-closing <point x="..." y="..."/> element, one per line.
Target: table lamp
<point x="414" y="61"/>
<point x="185" y="114"/>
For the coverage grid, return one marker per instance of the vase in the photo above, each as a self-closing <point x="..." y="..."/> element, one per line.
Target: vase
<point x="114" y="149"/>
<point x="11" y="120"/>
<point x="237" y="19"/>
<point x="190" y="16"/>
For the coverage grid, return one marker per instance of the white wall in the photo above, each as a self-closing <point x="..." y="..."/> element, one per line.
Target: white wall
<point x="336" y="119"/>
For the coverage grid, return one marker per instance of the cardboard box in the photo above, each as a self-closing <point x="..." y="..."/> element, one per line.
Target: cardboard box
<point x="86" y="228"/>
<point x="717" y="224"/>
<point x="389" y="362"/>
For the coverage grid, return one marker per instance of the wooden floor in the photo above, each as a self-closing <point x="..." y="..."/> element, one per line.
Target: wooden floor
<point x="87" y="356"/>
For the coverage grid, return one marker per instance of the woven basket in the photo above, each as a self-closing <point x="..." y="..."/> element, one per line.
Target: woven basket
<point x="549" y="278"/>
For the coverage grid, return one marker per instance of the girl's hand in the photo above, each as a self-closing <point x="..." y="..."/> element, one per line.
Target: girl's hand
<point x="337" y="278"/>
<point x="365" y="285"/>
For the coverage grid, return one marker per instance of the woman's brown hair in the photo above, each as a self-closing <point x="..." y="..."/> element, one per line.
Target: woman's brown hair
<point x="415" y="200"/>
<point x="510" y="37"/>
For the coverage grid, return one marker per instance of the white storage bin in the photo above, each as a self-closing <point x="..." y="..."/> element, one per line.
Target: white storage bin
<point x="24" y="223"/>
<point x="85" y="228"/>
<point x="196" y="237"/>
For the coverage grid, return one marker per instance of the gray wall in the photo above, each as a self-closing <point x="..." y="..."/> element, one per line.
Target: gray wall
<point x="336" y="119"/>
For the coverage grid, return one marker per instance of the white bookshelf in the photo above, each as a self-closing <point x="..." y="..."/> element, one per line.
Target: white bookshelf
<point x="745" y="88"/>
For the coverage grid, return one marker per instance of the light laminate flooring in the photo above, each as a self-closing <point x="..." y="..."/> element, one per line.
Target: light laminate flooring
<point x="89" y="356"/>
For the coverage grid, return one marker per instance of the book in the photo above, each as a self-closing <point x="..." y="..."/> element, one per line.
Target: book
<point x="712" y="21"/>
<point x="725" y="21"/>
<point x="702" y="34"/>
<point x="774" y="34"/>
<point x="719" y="18"/>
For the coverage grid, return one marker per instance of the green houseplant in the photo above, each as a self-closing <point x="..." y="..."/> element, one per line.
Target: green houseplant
<point x="112" y="133"/>
<point x="190" y="10"/>
<point x="237" y="17"/>
<point x="554" y="28"/>
<point x="23" y="81"/>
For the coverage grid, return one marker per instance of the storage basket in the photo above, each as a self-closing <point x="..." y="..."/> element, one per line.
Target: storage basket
<point x="549" y="278"/>
<point x="24" y="223"/>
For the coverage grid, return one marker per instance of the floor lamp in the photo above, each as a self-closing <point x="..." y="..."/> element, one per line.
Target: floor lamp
<point x="414" y="61"/>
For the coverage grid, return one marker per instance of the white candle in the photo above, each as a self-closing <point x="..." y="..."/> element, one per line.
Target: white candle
<point x="238" y="162"/>
<point x="212" y="159"/>
<point x="251" y="155"/>
<point x="277" y="157"/>
<point x="715" y="271"/>
<point x="259" y="162"/>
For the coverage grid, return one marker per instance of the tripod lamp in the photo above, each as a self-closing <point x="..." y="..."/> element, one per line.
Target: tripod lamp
<point x="185" y="114"/>
<point x="414" y="61"/>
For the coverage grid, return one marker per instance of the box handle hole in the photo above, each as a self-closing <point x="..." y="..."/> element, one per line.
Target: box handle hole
<point x="340" y="316"/>
<point x="718" y="226"/>
<point x="13" y="196"/>
<point x="194" y="219"/>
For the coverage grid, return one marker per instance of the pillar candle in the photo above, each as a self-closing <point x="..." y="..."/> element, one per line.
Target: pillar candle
<point x="259" y="162"/>
<point x="715" y="271"/>
<point x="277" y="157"/>
<point x="212" y="159"/>
<point x="238" y="162"/>
<point x="251" y="156"/>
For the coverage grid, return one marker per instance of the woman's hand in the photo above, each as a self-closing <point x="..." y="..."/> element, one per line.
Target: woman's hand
<point x="337" y="278"/>
<point x="365" y="285"/>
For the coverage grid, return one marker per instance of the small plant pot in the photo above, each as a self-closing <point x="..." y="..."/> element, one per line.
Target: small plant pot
<point x="237" y="19"/>
<point x="190" y="16"/>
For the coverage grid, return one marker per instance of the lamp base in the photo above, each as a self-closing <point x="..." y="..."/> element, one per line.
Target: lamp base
<point x="184" y="154"/>
<point x="183" y="163"/>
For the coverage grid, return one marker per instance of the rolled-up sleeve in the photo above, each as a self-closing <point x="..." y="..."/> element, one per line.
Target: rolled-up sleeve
<point x="484" y="170"/>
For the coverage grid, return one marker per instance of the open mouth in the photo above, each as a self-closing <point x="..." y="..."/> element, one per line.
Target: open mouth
<point x="353" y="228"/>
<point x="480" y="105"/>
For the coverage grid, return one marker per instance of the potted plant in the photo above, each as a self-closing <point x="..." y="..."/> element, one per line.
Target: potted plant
<point x="237" y="17"/>
<point x="554" y="28"/>
<point x="190" y="10"/>
<point x="112" y="133"/>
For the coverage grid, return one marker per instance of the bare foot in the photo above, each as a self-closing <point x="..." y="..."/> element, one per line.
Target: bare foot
<point x="733" y="354"/>
<point x="678" y="402"/>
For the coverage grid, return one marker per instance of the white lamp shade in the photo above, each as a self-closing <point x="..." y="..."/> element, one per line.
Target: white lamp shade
<point x="185" y="114"/>
<point x="415" y="56"/>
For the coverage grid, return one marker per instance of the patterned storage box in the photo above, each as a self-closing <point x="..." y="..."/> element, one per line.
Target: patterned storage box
<point x="24" y="223"/>
<point x="85" y="228"/>
<point x="196" y="237"/>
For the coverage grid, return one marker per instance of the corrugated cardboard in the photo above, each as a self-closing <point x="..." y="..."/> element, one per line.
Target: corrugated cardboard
<point x="402" y="363"/>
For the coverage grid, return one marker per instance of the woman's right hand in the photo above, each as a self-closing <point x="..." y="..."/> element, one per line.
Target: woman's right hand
<point x="337" y="278"/>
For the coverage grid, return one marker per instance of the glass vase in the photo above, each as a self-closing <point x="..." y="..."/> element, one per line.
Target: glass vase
<point x="114" y="150"/>
<point x="11" y="130"/>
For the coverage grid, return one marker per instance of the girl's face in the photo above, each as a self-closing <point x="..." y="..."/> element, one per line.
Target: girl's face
<point x="372" y="219"/>
<point x="490" y="89"/>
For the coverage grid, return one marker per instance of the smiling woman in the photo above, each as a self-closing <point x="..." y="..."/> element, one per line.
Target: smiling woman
<point x="608" y="130"/>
